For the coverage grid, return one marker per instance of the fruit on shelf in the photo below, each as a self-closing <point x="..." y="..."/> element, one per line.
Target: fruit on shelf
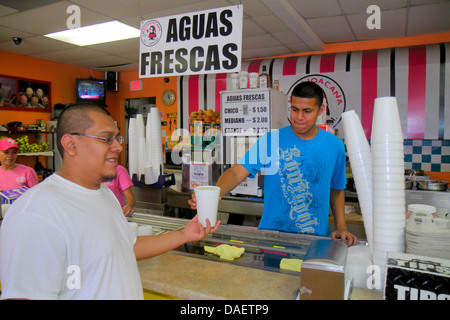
<point x="206" y="116"/>
<point x="26" y="147"/>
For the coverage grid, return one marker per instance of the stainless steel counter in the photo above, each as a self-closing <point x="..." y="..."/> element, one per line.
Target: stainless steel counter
<point x="264" y="249"/>
<point x="259" y="269"/>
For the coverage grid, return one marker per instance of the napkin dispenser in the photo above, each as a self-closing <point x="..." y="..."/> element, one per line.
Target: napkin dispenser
<point x="323" y="271"/>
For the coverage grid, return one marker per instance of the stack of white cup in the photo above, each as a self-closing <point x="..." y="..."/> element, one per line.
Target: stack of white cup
<point x="359" y="154"/>
<point x="142" y="148"/>
<point x="133" y="147"/>
<point x="156" y="160"/>
<point x="388" y="187"/>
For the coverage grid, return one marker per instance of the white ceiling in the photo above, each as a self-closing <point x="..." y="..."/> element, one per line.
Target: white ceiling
<point x="271" y="27"/>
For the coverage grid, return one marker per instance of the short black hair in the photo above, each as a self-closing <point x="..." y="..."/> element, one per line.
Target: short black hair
<point x="75" y="118"/>
<point x="309" y="89"/>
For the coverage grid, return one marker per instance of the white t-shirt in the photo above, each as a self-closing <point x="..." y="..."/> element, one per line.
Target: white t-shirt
<point x="63" y="241"/>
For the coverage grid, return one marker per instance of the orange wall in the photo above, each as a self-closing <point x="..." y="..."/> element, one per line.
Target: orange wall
<point x="152" y="87"/>
<point x="61" y="76"/>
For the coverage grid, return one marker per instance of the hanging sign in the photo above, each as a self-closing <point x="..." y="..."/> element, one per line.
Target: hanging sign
<point x="200" y="42"/>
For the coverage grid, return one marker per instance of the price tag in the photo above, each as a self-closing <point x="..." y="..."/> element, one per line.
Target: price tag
<point x="245" y="113"/>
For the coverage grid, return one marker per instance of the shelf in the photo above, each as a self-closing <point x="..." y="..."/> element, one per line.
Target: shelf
<point x="25" y="132"/>
<point x="37" y="154"/>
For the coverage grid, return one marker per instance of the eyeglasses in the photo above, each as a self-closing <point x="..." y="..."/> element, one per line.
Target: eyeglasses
<point x="109" y="141"/>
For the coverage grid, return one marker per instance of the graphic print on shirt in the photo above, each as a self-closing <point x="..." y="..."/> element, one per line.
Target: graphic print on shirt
<point x="296" y="190"/>
<point x="21" y="180"/>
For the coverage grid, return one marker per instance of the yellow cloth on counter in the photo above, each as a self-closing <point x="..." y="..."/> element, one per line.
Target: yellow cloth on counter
<point x="291" y="264"/>
<point x="226" y="252"/>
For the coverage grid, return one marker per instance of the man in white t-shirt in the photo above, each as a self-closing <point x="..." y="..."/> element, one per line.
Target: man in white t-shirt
<point x="67" y="238"/>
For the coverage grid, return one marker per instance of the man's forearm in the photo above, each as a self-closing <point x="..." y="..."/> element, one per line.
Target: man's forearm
<point x="151" y="246"/>
<point x="337" y="201"/>
<point x="231" y="178"/>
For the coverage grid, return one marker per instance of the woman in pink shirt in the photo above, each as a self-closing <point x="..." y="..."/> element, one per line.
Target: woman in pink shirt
<point x="12" y="174"/>
<point x="121" y="187"/>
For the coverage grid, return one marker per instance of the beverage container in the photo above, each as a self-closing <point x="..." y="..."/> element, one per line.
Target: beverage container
<point x="243" y="79"/>
<point x="276" y="84"/>
<point x="207" y="203"/>
<point x="264" y="79"/>
<point x="253" y="77"/>
<point x="234" y="81"/>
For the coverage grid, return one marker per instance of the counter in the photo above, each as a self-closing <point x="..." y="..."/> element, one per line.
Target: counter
<point x="190" y="278"/>
<point x="198" y="279"/>
<point x="188" y="272"/>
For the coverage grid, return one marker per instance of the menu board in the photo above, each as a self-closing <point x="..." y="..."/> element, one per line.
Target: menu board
<point x="245" y="112"/>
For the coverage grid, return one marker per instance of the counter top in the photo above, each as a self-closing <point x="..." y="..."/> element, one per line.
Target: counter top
<point x="192" y="278"/>
<point x="199" y="279"/>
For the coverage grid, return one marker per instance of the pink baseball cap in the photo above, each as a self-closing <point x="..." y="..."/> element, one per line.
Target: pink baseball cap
<point x="8" y="143"/>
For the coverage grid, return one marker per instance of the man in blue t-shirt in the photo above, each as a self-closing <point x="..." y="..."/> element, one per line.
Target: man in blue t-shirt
<point x="303" y="168"/>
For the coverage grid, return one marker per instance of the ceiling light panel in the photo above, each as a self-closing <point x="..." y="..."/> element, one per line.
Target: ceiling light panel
<point x="97" y="33"/>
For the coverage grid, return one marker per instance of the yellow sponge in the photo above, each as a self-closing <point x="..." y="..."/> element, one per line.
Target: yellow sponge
<point x="291" y="264"/>
<point x="225" y="251"/>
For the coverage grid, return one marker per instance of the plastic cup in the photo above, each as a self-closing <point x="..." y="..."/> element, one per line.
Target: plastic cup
<point x="391" y="183"/>
<point x="363" y="179"/>
<point x="134" y="227"/>
<point x="386" y="120"/>
<point x="386" y="208"/>
<point x="243" y="79"/>
<point x="381" y="223"/>
<point x="207" y="203"/>
<point x="234" y="81"/>
<point x="381" y="248"/>
<point x="388" y="162"/>
<point x="380" y="195"/>
<point x="145" y="230"/>
<point x="392" y="242"/>
<point x="383" y="150"/>
<point x="389" y="169"/>
<point x="388" y="235"/>
<point x="359" y="158"/>
<point x="150" y="176"/>
<point x="392" y="201"/>
<point x="389" y="138"/>
<point x="253" y="77"/>
<point x="379" y="176"/>
<point x="353" y="131"/>
<point x="395" y="154"/>
<point x="361" y="166"/>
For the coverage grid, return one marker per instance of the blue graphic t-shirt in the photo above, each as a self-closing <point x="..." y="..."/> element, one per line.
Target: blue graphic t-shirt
<point x="298" y="176"/>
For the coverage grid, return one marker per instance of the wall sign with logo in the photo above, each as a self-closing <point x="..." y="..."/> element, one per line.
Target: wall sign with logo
<point x="334" y="101"/>
<point x="201" y="42"/>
